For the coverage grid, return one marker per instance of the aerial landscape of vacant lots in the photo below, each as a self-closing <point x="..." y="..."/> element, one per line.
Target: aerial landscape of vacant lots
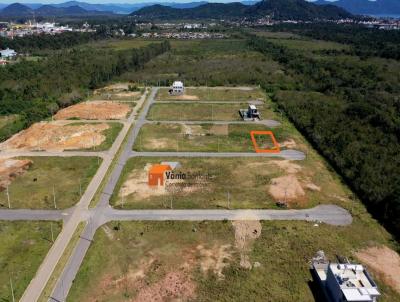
<point x="200" y="151"/>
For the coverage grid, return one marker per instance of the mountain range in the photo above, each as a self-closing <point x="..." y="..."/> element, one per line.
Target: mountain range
<point x="20" y="10"/>
<point x="357" y="7"/>
<point x="278" y="9"/>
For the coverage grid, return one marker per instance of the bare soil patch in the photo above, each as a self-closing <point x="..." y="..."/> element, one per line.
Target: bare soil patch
<point x="10" y="169"/>
<point x="246" y="231"/>
<point x="287" y="166"/>
<point x="286" y="188"/>
<point x="384" y="262"/>
<point x="215" y="259"/>
<point x="290" y="144"/>
<point x="56" y="137"/>
<point x="126" y="94"/>
<point x="186" y="97"/>
<point x="175" y="286"/>
<point x="95" y="110"/>
<point x="137" y="183"/>
<point x="193" y="130"/>
<point x="219" y="130"/>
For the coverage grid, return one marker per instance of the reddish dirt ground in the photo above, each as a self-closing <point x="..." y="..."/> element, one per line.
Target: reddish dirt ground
<point x="56" y="137"/>
<point x="95" y="110"/>
<point x="10" y="169"/>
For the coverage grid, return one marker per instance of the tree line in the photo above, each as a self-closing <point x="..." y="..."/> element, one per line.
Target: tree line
<point x="351" y="114"/>
<point x="366" y="42"/>
<point x="36" y="90"/>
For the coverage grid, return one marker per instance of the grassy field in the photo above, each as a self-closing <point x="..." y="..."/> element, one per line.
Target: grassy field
<point x="215" y="95"/>
<point x="7" y="119"/>
<point x="226" y="62"/>
<point x="200" y="261"/>
<point x="110" y="134"/>
<point x="203" y="137"/>
<point x="123" y="44"/>
<point x="201" y="112"/>
<point x="23" y="246"/>
<point x="309" y="45"/>
<point x="247" y="182"/>
<point x="34" y="189"/>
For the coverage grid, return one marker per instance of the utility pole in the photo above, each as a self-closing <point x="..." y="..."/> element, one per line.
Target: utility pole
<point x="52" y="234"/>
<point x="54" y="198"/>
<point x="12" y="290"/>
<point x="229" y="200"/>
<point x="80" y="187"/>
<point x="8" y="198"/>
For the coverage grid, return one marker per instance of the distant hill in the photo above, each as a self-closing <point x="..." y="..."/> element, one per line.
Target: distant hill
<point x="16" y="9"/>
<point x="49" y="10"/>
<point x="278" y="9"/>
<point x="367" y="7"/>
<point x="20" y="10"/>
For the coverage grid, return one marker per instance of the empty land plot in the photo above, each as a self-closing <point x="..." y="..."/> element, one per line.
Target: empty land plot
<point x="58" y="136"/>
<point x="95" y="110"/>
<point x="309" y="45"/>
<point x="205" y="137"/>
<point x="203" y="261"/>
<point x="201" y="112"/>
<point x="23" y="246"/>
<point x="229" y="182"/>
<point x="214" y="95"/>
<point x="33" y="189"/>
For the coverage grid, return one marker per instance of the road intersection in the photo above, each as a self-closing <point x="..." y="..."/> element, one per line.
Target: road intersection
<point x="103" y="213"/>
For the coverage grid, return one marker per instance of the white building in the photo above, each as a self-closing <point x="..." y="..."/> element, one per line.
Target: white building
<point x="177" y="88"/>
<point x="346" y="282"/>
<point x="7" y="53"/>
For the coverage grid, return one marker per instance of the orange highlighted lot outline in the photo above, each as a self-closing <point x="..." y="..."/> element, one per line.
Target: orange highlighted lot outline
<point x="274" y="149"/>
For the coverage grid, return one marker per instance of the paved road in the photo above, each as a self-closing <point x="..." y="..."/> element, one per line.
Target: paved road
<point x="268" y="123"/>
<point x="329" y="214"/>
<point x="19" y="153"/>
<point x="64" y="283"/>
<point x="22" y="214"/>
<point x="103" y="213"/>
<point x="45" y="270"/>
<point x="286" y="154"/>
<point x="254" y="102"/>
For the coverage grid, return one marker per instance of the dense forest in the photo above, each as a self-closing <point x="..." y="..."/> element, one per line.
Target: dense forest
<point x="365" y="41"/>
<point x="36" y="90"/>
<point x="351" y="113"/>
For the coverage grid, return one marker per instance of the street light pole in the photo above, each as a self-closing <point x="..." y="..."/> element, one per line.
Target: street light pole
<point x="8" y="198"/>
<point x="54" y="198"/>
<point x="12" y="290"/>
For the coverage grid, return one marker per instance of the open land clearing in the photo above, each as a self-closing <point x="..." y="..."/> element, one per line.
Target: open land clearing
<point x="213" y="94"/>
<point x="23" y="246"/>
<point x="246" y="182"/>
<point x="384" y="262"/>
<point x="201" y="112"/>
<point x="58" y="136"/>
<point x="94" y="110"/>
<point x="31" y="186"/>
<point x="213" y="261"/>
<point x="209" y="137"/>
<point x="118" y="92"/>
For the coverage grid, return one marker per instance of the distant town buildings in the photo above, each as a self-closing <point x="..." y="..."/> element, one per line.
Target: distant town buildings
<point x="7" y="53"/>
<point x="12" y="30"/>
